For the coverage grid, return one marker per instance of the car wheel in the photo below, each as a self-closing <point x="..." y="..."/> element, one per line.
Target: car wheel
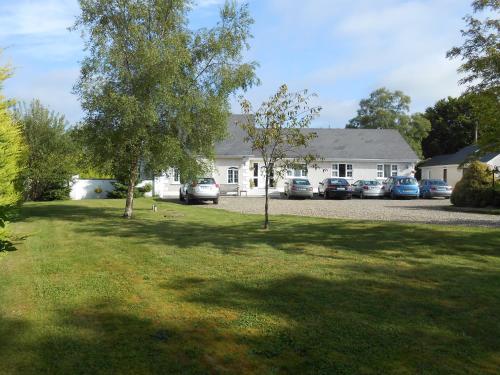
<point x="325" y="195"/>
<point x="181" y="197"/>
<point x="393" y="196"/>
<point x="216" y="201"/>
<point x="187" y="199"/>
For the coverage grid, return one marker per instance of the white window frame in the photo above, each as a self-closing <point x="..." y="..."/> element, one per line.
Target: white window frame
<point x="297" y="172"/>
<point x="394" y="171"/>
<point x="233" y="175"/>
<point x="380" y="171"/>
<point x="349" y="170"/>
<point x="335" y="170"/>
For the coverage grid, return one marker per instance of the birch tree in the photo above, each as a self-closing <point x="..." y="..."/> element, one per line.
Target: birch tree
<point x="277" y="133"/>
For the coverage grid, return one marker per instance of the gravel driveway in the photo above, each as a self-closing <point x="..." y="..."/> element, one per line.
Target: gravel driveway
<point x="431" y="211"/>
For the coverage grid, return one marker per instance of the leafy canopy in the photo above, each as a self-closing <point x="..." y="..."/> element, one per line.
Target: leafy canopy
<point x="385" y="109"/>
<point x="153" y="91"/>
<point x="480" y="51"/>
<point x="52" y="156"/>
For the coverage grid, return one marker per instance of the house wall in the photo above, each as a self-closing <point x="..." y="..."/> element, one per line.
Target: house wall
<point x="436" y="171"/>
<point x="454" y="172"/>
<point x="323" y="169"/>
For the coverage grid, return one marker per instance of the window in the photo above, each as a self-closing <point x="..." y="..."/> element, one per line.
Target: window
<point x="297" y="172"/>
<point x="335" y="170"/>
<point x="349" y="170"/>
<point x="380" y="170"/>
<point x="232" y="175"/>
<point x="176" y="176"/>
<point x="256" y="174"/>
<point x="387" y="170"/>
<point x="342" y="170"/>
<point x="394" y="170"/>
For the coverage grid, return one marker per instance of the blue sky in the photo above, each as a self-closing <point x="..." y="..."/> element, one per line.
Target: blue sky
<point x="340" y="49"/>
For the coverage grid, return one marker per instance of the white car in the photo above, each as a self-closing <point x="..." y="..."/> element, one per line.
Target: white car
<point x="201" y="189"/>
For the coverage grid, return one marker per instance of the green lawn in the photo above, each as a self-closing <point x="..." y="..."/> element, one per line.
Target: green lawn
<point x="192" y="290"/>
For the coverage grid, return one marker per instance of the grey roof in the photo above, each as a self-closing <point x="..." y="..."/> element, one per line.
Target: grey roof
<point x="458" y="157"/>
<point x="345" y="144"/>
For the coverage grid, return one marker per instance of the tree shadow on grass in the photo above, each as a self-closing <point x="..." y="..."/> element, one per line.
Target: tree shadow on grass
<point x="365" y="325"/>
<point x="424" y="320"/>
<point x="112" y="338"/>
<point x="233" y="233"/>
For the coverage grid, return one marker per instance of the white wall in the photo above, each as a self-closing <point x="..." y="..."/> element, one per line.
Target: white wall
<point x="361" y="170"/>
<point x="85" y="188"/>
<point x="436" y="171"/>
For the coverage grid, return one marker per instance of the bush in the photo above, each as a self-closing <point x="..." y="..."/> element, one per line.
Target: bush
<point x="56" y="191"/>
<point x="474" y="189"/>
<point x="12" y="152"/>
<point x="120" y="191"/>
<point x="146" y="188"/>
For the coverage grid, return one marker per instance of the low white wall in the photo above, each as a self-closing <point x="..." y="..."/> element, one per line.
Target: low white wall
<point x="85" y="188"/>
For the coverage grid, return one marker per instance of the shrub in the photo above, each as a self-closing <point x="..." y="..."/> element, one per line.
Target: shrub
<point x="55" y="191"/>
<point x="474" y="189"/>
<point x="146" y="188"/>
<point x="11" y="162"/>
<point x="120" y="191"/>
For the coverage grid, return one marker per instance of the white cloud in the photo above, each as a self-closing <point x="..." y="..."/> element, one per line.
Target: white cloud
<point x="52" y="87"/>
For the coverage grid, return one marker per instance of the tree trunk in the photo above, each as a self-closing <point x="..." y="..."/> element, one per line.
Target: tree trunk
<point x="129" y="204"/>
<point x="266" y="206"/>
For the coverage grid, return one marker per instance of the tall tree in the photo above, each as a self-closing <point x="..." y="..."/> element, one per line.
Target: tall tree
<point x="480" y="52"/>
<point x="153" y="91"/>
<point x="385" y="109"/>
<point x="11" y="161"/>
<point x="51" y="159"/>
<point x="275" y="132"/>
<point x="453" y="125"/>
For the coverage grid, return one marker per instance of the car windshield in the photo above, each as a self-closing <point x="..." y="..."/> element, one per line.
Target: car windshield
<point x="437" y="182"/>
<point x="205" y="181"/>
<point x="407" y="181"/>
<point x="301" y="182"/>
<point x="337" y="181"/>
<point x="371" y="182"/>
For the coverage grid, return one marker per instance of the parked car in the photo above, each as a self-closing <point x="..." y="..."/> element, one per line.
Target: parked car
<point x="401" y="186"/>
<point x="335" y="188"/>
<point x="367" y="188"/>
<point x="435" y="188"/>
<point x="298" y="188"/>
<point x="201" y="189"/>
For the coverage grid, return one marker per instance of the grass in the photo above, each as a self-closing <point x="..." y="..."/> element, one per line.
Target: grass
<point x="191" y="290"/>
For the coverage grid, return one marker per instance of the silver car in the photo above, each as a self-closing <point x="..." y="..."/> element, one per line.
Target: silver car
<point x="367" y="189"/>
<point x="201" y="189"/>
<point x="298" y="188"/>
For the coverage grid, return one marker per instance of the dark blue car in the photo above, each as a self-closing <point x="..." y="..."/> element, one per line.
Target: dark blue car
<point x="401" y="186"/>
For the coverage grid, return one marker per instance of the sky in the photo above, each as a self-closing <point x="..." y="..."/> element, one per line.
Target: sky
<point x="342" y="50"/>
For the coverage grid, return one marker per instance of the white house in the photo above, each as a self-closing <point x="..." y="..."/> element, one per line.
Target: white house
<point x="449" y="167"/>
<point x="350" y="153"/>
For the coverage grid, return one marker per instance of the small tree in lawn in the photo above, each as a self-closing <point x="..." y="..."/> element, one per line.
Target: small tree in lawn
<point x="275" y="132"/>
